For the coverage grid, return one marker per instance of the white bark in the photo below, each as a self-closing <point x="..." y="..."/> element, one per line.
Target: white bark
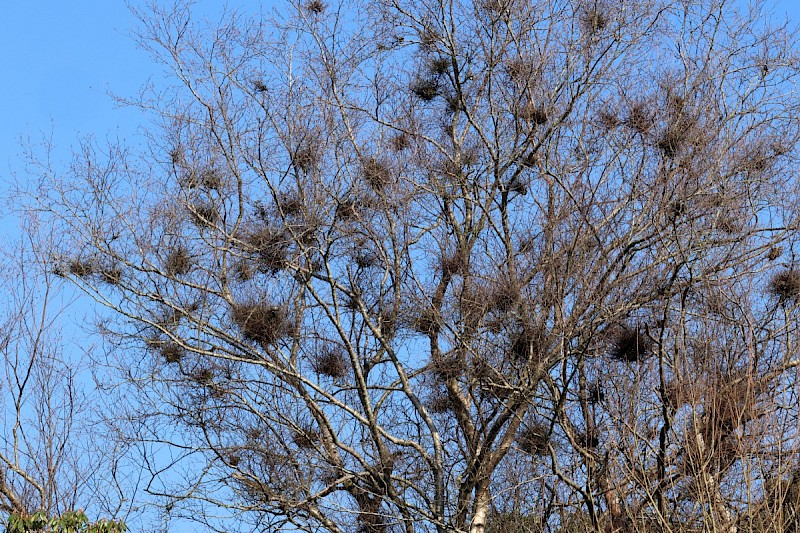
<point x="480" y="511"/>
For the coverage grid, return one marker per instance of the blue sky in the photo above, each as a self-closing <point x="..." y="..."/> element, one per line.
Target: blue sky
<point x="60" y="61"/>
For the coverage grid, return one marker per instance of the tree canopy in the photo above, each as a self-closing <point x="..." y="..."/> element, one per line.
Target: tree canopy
<point x="454" y="266"/>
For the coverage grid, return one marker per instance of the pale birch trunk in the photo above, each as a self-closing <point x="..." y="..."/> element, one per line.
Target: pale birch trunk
<point x="480" y="510"/>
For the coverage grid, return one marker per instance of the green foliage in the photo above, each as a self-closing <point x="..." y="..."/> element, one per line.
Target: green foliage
<point x="69" y="522"/>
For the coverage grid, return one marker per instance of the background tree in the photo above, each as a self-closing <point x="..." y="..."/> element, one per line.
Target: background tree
<point x="410" y="266"/>
<point x="52" y="455"/>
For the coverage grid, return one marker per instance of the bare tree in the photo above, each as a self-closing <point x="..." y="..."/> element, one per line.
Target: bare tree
<point x="52" y="460"/>
<point x="455" y="267"/>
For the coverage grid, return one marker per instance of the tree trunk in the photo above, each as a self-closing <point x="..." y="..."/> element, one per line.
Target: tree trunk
<point x="728" y="525"/>
<point x="480" y="509"/>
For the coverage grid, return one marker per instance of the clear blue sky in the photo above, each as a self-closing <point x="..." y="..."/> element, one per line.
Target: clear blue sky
<point x="59" y="62"/>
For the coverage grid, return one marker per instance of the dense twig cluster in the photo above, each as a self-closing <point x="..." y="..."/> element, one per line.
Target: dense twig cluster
<point x="307" y="156"/>
<point x="271" y="247"/>
<point x="178" y="261"/>
<point x="786" y="284"/>
<point x="534" y="439"/>
<point x="111" y="275"/>
<point x="376" y="173"/>
<point x="629" y="344"/>
<point x="306" y="437"/>
<point x="261" y="323"/>
<point x="172" y="352"/>
<point x="534" y="113"/>
<point x="81" y="268"/>
<point x="331" y="362"/>
<point x="426" y="89"/>
<point x="204" y="214"/>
